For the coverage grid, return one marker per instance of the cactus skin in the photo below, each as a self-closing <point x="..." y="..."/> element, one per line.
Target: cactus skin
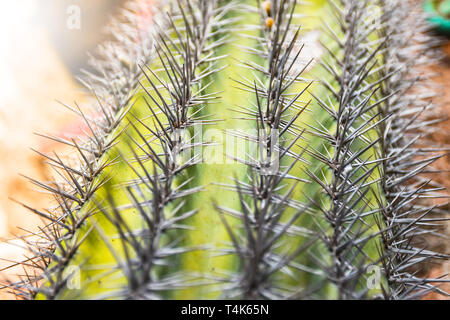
<point x="143" y="216"/>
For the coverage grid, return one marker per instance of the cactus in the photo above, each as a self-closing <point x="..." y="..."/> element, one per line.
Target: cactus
<point x="231" y="161"/>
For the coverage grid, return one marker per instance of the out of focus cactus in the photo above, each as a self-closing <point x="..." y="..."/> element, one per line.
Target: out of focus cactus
<point x="232" y="161"/>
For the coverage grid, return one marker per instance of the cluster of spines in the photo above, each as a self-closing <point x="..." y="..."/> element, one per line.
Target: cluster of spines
<point x="265" y="196"/>
<point x="177" y="93"/>
<point x="347" y="174"/>
<point x="113" y="77"/>
<point x="365" y="197"/>
<point x="406" y="210"/>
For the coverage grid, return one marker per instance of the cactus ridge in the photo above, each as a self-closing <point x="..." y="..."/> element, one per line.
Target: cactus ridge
<point x="351" y="167"/>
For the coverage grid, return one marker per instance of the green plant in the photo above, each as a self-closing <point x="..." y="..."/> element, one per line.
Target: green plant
<point x="319" y="185"/>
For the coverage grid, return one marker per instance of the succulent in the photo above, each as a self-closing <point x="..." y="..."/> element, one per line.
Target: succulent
<point x="227" y="159"/>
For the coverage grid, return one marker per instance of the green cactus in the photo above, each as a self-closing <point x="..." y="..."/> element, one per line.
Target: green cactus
<point x="232" y="161"/>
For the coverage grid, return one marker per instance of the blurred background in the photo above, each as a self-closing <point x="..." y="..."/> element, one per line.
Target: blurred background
<point x="43" y="46"/>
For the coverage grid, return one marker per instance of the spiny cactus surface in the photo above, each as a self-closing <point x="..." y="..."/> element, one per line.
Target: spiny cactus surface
<point x="247" y="149"/>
